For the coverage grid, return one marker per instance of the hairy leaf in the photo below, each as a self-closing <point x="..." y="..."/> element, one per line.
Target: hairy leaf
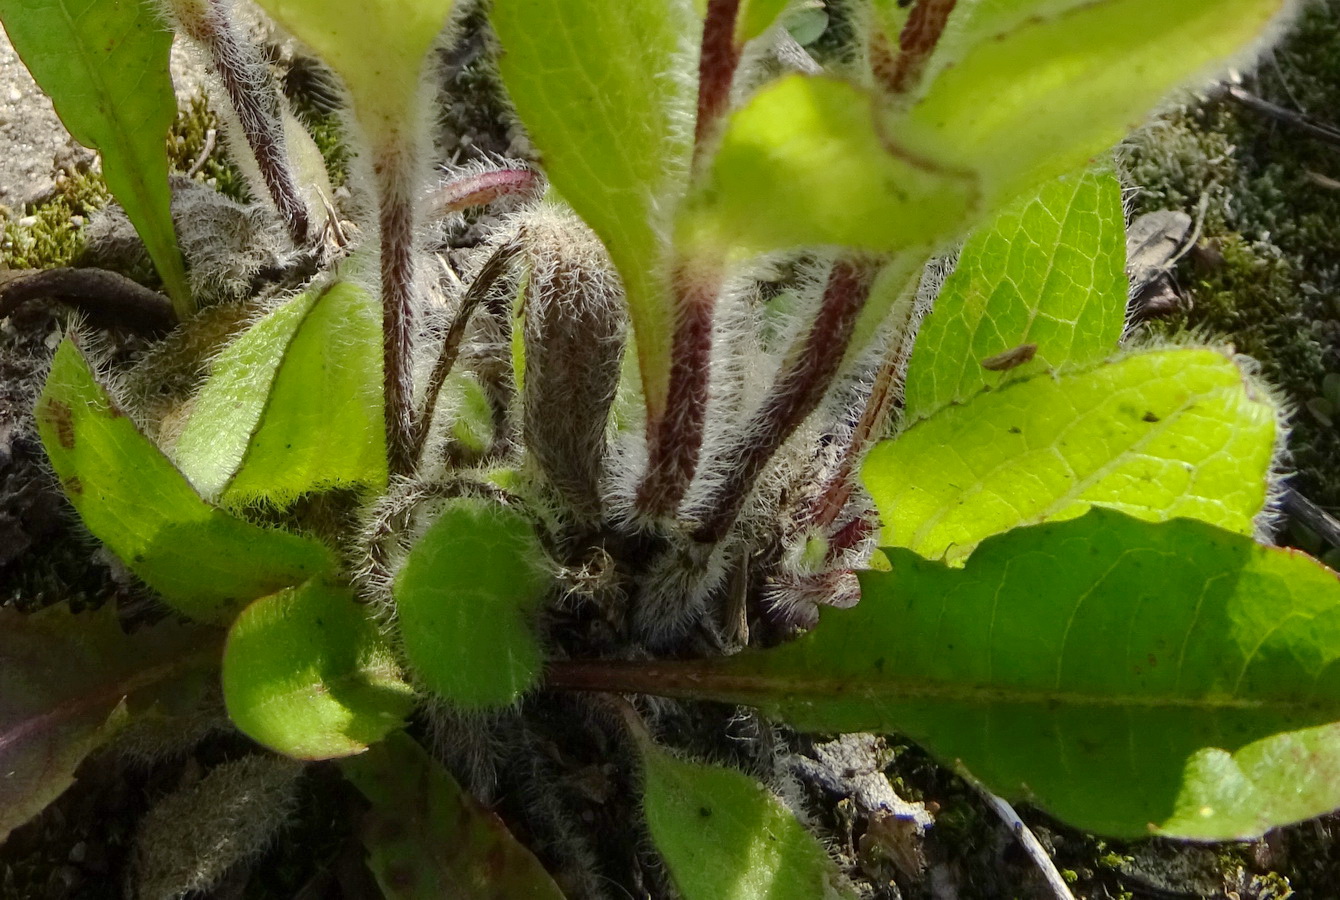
<point x="67" y="682"/>
<point x="803" y="164"/>
<point x="104" y="64"/>
<point x="1130" y="678"/>
<point x="1157" y="434"/>
<point x="293" y="405"/>
<point x="465" y="597"/>
<point x="384" y="82"/>
<point x="1049" y="271"/>
<point x="132" y="499"/>
<point x="428" y="839"/>
<point x="1065" y="84"/>
<point x="727" y="837"/>
<point x="608" y="95"/>
<point x="306" y="672"/>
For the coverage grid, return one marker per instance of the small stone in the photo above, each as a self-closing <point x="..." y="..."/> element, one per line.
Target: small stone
<point x="15" y="95"/>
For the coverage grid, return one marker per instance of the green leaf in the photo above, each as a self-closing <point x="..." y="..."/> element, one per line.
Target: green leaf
<point x="465" y="597"/>
<point x="1050" y="271"/>
<point x="802" y="164"/>
<point x="1130" y="678"/>
<point x="727" y="837"/>
<point x="608" y="95"/>
<point x="307" y="673"/>
<point x="383" y="83"/>
<point x="1158" y="434"/>
<point x="68" y="682"/>
<point x="294" y="405"/>
<point x="428" y="839"/>
<point x="104" y="64"/>
<point x="472" y="427"/>
<point x="755" y="17"/>
<point x="1065" y="85"/>
<point x="204" y="562"/>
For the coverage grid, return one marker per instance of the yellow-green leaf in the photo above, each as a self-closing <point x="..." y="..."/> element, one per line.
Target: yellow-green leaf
<point x="1052" y="89"/>
<point x="727" y="837"/>
<point x="205" y="562"/>
<point x="1048" y="271"/>
<point x="1156" y="435"/>
<point x="307" y="673"/>
<point x="466" y="597"/>
<point x="377" y="48"/>
<point x="293" y="405"/>
<point x="802" y="164"/>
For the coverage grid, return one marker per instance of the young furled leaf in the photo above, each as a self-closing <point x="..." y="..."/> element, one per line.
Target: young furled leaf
<point x="1156" y="435"/>
<point x="464" y="599"/>
<point x="68" y="682"/>
<point x="104" y="64"/>
<point x="574" y="333"/>
<point x="1192" y="668"/>
<point x="428" y="839"/>
<point x="136" y="502"/>
<point x="307" y="673"/>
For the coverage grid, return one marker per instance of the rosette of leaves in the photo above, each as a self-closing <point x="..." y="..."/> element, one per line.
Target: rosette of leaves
<point x="1070" y="600"/>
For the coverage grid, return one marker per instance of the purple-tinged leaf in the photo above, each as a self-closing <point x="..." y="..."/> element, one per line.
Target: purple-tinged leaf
<point x="67" y="682"/>
<point x="427" y="838"/>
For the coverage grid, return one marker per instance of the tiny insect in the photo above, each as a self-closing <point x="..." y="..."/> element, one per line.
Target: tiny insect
<point x="1015" y="356"/>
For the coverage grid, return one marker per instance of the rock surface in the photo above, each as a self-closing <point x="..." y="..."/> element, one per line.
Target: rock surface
<point x="33" y="142"/>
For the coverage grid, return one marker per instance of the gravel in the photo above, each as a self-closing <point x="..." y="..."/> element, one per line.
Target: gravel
<point x="33" y="142"/>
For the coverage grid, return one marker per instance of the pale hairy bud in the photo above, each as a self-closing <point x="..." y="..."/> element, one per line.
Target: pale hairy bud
<point x="192" y="837"/>
<point x="574" y="332"/>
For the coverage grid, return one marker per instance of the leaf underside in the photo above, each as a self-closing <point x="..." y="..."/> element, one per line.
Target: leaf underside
<point x="1049" y="271"/>
<point x="1066" y="83"/>
<point x="815" y="160"/>
<point x="137" y="503"/>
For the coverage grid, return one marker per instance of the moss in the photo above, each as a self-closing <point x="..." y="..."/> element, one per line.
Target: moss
<point x="1266" y="273"/>
<point x="187" y="141"/>
<point x="328" y="134"/>
<point x="49" y="232"/>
